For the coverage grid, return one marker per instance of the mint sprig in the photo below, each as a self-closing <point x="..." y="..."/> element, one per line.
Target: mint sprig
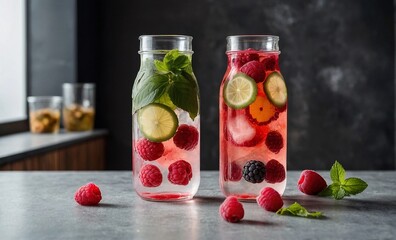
<point x="172" y="83"/>
<point x="297" y="210"/>
<point x="342" y="187"/>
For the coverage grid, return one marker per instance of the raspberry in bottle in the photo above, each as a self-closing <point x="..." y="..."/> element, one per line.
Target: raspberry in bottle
<point x="253" y="118"/>
<point x="165" y="120"/>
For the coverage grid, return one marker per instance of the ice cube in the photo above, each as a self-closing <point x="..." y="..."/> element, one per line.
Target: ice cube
<point x="240" y="129"/>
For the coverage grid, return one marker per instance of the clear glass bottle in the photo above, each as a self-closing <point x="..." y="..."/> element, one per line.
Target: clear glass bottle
<point x="253" y="118"/>
<point x="78" y="106"/>
<point x="44" y="113"/>
<point x="166" y="120"/>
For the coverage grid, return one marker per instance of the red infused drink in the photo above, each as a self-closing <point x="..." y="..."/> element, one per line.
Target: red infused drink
<point x="253" y="118"/>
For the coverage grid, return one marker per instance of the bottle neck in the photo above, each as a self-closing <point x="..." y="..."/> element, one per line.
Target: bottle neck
<point x="164" y="43"/>
<point x="265" y="43"/>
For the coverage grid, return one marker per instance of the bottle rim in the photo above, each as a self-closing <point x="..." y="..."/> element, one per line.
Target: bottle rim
<point x="265" y="43"/>
<point x="79" y="85"/>
<point x="55" y="99"/>
<point x="164" y="43"/>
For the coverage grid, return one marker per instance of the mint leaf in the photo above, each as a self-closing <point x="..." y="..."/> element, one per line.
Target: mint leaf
<point x="191" y="78"/>
<point x="165" y="100"/>
<point x="354" y="185"/>
<point x="315" y="215"/>
<point x="297" y="210"/>
<point x="181" y="62"/>
<point x="146" y="70"/>
<point x="329" y="190"/>
<point x="337" y="173"/>
<point x="184" y="95"/>
<point x="342" y="187"/>
<point x="149" y="90"/>
<point x="161" y="67"/>
<point x="170" y="57"/>
<point x="173" y="84"/>
<point x="339" y="194"/>
<point x="176" y="61"/>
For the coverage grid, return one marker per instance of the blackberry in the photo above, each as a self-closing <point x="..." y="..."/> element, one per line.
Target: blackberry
<point x="254" y="171"/>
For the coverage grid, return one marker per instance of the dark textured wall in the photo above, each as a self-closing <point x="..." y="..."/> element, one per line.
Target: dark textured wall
<point x="337" y="58"/>
<point x="51" y="45"/>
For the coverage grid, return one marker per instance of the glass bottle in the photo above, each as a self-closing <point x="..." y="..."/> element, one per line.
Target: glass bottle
<point x="166" y="120"/>
<point x="78" y="106"/>
<point x="253" y="118"/>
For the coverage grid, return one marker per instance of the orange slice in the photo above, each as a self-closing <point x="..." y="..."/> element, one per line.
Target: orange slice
<point x="261" y="111"/>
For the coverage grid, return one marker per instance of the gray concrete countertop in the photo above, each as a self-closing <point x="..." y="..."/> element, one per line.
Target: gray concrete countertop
<point x="21" y="145"/>
<point x="40" y="205"/>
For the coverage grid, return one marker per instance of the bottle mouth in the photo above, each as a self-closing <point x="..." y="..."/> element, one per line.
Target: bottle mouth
<point x="78" y="85"/>
<point x="165" y="43"/>
<point x="44" y="99"/>
<point x="266" y="43"/>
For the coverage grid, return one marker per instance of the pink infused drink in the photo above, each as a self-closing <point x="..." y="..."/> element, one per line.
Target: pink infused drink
<point x="166" y="125"/>
<point x="253" y="118"/>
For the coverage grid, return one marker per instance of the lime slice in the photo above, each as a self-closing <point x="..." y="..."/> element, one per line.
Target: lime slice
<point x="275" y="89"/>
<point x="157" y="122"/>
<point x="240" y="91"/>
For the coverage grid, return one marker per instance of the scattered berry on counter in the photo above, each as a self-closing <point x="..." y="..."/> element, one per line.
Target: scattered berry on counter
<point x="231" y="210"/>
<point x="254" y="171"/>
<point x="274" y="141"/>
<point x="311" y="182"/>
<point x="88" y="195"/>
<point x="186" y="137"/>
<point x="180" y="172"/>
<point x="148" y="150"/>
<point x="274" y="172"/>
<point x="269" y="199"/>
<point x="150" y="176"/>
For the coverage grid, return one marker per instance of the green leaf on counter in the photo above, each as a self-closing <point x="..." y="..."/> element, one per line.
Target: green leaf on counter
<point x="339" y="193"/>
<point x="337" y="173"/>
<point x="330" y="190"/>
<point x="354" y="185"/>
<point x="342" y="187"/>
<point x="297" y="210"/>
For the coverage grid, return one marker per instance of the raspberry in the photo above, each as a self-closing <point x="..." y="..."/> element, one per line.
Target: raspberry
<point x="231" y="210"/>
<point x="186" y="137"/>
<point x="88" y="195"/>
<point x="149" y="150"/>
<point x="180" y="172"/>
<point x="269" y="199"/>
<point x="274" y="141"/>
<point x="150" y="176"/>
<point x="271" y="63"/>
<point x="311" y="182"/>
<point x="255" y="70"/>
<point x="254" y="171"/>
<point x="245" y="57"/>
<point x="236" y="172"/>
<point x="274" y="172"/>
